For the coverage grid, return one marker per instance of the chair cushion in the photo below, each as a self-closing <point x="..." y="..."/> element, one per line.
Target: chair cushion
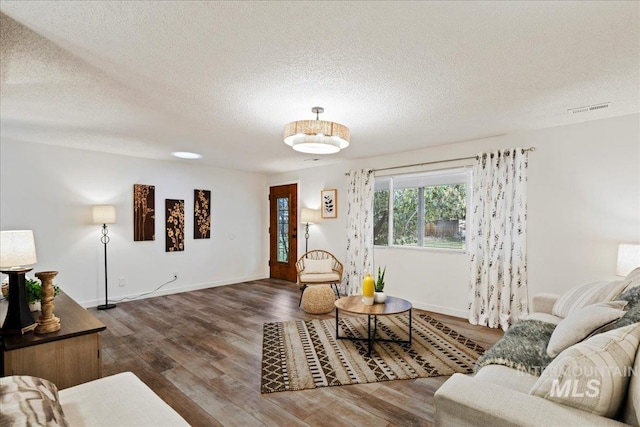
<point x="317" y="266"/>
<point x="581" y="323"/>
<point x="319" y="278"/>
<point x="27" y="400"/>
<point x="592" y="375"/>
<point x="585" y="295"/>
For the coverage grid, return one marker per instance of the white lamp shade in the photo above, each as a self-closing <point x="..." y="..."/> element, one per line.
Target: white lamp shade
<point x="17" y="249"/>
<point x="104" y="214"/>
<point x="628" y="258"/>
<point x="308" y="216"/>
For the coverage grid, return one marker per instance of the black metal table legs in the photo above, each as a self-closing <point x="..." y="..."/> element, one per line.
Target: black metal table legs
<point x="372" y="335"/>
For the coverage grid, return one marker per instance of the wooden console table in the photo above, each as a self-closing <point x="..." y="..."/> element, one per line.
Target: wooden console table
<point x="66" y="357"/>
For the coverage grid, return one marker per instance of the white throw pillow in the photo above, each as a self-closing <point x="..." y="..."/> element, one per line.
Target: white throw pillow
<point x="585" y="295"/>
<point x="633" y="278"/>
<point x="582" y="322"/>
<point x="593" y="375"/>
<point x="312" y="266"/>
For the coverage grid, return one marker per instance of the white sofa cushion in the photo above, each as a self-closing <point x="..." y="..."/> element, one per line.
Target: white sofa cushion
<point x="543" y="317"/>
<point x="506" y="377"/>
<point x="631" y="409"/>
<point x="118" y="400"/>
<point x="319" y="278"/>
<point x="581" y="323"/>
<point x="317" y="266"/>
<point x="593" y="375"/>
<point x="585" y="295"/>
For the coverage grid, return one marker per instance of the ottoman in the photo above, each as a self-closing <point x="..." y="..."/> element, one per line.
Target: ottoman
<point x="318" y="299"/>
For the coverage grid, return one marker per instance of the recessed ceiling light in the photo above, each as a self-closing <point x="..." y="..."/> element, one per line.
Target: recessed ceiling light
<point x="186" y="155"/>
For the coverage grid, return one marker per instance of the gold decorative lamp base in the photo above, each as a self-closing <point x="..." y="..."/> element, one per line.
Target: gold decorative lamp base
<point x="47" y="322"/>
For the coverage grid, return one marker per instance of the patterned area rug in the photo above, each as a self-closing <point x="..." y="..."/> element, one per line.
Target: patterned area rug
<point x="300" y="355"/>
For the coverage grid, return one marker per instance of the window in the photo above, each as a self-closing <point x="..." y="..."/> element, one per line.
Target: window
<point x="422" y="210"/>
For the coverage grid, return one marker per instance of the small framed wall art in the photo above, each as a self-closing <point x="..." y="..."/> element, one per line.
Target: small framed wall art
<point x="329" y="199"/>
<point x="144" y="215"/>
<point x="201" y="214"/>
<point x="174" y="229"/>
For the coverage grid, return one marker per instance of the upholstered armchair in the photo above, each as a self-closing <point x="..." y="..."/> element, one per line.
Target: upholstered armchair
<point x="319" y="267"/>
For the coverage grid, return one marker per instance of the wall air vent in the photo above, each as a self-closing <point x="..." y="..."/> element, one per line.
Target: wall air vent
<point x="589" y="108"/>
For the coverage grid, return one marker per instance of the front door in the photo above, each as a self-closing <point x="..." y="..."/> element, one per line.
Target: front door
<point x="283" y="231"/>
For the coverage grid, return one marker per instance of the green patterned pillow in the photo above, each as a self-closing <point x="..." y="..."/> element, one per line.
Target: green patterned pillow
<point x="592" y="375"/>
<point x="632" y="295"/>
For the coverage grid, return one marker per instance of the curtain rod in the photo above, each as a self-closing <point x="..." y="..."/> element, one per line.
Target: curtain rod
<point x="435" y="162"/>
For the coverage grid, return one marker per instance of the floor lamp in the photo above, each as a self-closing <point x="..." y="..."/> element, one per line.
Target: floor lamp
<point x="17" y="254"/>
<point x="105" y="214"/>
<point x="307" y="217"/>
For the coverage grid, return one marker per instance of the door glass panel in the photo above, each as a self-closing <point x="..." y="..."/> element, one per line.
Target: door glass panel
<point x="283" y="229"/>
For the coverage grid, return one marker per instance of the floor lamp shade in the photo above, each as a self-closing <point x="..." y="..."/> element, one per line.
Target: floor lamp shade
<point x="104" y="214"/>
<point x="307" y="216"/>
<point x="17" y="255"/>
<point x="628" y="258"/>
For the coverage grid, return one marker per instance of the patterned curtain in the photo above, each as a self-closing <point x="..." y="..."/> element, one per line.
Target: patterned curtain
<point x="359" y="228"/>
<point x="498" y="239"/>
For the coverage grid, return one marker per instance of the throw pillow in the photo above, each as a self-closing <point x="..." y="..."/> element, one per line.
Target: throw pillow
<point x="633" y="278"/>
<point x="317" y="266"/>
<point x="593" y="375"/>
<point x="29" y="401"/>
<point x="581" y="323"/>
<point x="585" y="295"/>
<point x="632" y="315"/>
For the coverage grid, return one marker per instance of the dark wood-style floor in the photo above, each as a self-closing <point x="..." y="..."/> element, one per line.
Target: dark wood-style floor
<point x="201" y="352"/>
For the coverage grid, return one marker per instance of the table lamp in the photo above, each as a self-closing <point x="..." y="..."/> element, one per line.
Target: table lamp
<point x="17" y="255"/>
<point x="628" y="258"/>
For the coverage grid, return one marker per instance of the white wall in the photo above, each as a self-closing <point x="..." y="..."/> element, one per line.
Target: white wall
<point x="51" y="189"/>
<point x="584" y="199"/>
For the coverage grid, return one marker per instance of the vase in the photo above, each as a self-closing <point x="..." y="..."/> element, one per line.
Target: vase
<point x="35" y="306"/>
<point x="367" y="290"/>
<point x="379" y="297"/>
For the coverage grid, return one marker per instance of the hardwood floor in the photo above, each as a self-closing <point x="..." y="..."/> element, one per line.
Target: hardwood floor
<point x="201" y="352"/>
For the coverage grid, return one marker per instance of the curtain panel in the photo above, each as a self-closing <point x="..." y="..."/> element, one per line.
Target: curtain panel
<point x="498" y="239"/>
<point x="359" y="228"/>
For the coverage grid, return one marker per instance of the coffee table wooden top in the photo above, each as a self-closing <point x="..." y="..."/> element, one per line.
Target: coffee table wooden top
<point x="392" y="305"/>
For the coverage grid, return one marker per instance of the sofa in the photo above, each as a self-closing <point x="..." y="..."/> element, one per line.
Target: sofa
<point x="505" y="392"/>
<point x="117" y="400"/>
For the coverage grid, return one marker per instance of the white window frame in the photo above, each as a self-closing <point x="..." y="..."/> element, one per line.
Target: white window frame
<point x="457" y="175"/>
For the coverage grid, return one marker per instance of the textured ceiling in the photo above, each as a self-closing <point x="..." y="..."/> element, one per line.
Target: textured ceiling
<point x="223" y="78"/>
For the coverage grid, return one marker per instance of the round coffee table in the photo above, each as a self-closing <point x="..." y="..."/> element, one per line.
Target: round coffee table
<point x="392" y="305"/>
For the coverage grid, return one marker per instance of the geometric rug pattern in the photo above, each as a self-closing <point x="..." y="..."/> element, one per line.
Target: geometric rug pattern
<point x="304" y="354"/>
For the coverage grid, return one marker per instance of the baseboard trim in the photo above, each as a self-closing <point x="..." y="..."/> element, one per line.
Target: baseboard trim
<point x="440" y="309"/>
<point x="171" y="291"/>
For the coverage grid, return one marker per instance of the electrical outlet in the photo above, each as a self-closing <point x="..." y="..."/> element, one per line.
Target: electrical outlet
<point x="122" y="282"/>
